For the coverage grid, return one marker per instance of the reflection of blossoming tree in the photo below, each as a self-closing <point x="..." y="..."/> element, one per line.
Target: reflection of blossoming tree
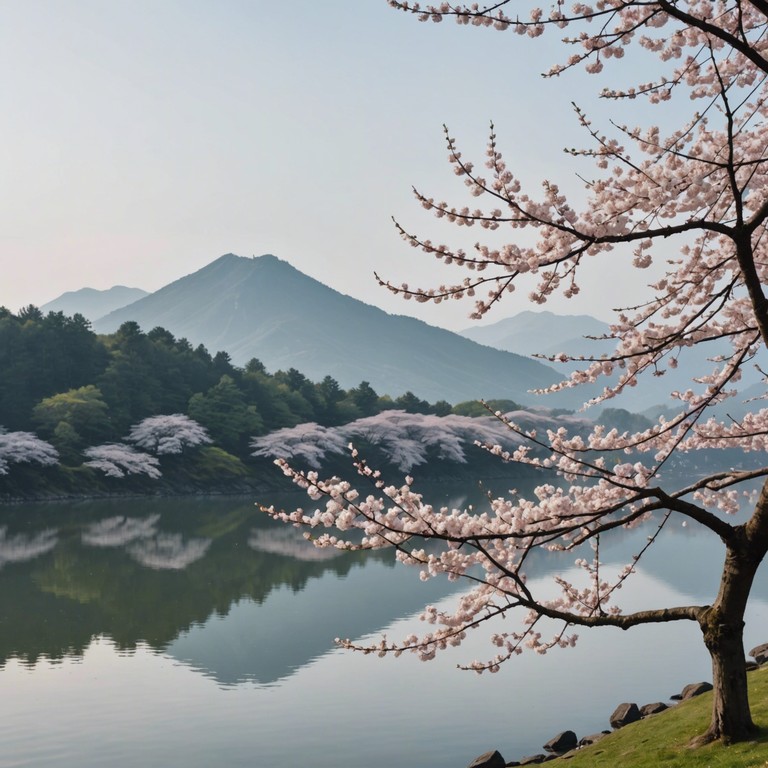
<point x="168" y="434"/>
<point x="168" y="551"/>
<point x="704" y="185"/>
<point x="288" y="543"/>
<point x="22" y="547"/>
<point x="160" y="551"/>
<point x="25" y="448"/>
<point x="119" y="460"/>
<point x="119" y="530"/>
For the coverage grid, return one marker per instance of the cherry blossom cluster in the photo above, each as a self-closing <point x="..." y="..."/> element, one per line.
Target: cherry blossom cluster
<point x="25" y="448"/>
<point x="168" y="434"/>
<point x="405" y="439"/>
<point x="674" y="32"/>
<point x="119" y="460"/>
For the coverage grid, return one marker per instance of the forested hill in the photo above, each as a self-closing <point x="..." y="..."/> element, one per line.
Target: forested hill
<point x="58" y="378"/>
<point x="64" y="390"/>
<point x="265" y="308"/>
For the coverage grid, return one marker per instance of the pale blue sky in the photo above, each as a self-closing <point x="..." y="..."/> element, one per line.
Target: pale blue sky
<point x="143" y="139"/>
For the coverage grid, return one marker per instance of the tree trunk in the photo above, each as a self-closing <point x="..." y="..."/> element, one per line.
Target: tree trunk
<point x="722" y="625"/>
<point x="731" y="717"/>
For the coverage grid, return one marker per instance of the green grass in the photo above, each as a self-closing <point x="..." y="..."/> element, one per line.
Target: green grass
<point x="662" y="740"/>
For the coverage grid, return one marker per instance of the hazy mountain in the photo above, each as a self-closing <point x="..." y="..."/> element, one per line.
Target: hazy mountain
<point x="93" y="304"/>
<point x="545" y="333"/>
<point x="265" y="308"/>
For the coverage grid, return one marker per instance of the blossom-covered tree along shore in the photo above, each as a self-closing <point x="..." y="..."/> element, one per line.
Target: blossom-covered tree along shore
<point x="694" y="199"/>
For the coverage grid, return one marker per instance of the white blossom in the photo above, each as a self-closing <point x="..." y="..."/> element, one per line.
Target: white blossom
<point x="24" y="448"/>
<point x="119" y="460"/>
<point x="168" y="434"/>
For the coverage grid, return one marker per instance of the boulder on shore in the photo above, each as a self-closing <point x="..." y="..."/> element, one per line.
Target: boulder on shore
<point x="563" y="742"/>
<point x="624" y="714"/>
<point x="653" y="709"/>
<point x="535" y="759"/>
<point x="593" y="738"/>
<point x="760" y="653"/>
<point x="691" y="690"/>
<point x="488" y="760"/>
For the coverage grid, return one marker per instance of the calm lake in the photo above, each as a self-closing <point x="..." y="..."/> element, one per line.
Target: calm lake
<point x="197" y="632"/>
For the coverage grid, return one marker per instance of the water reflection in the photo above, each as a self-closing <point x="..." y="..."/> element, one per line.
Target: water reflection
<point x="208" y="628"/>
<point x="289" y="542"/>
<point x="152" y="576"/>
<point x="168" y="551"/>
<point x="20" y="547"/>
<point x="182" y="574"/>
<point x="118" y="531"/>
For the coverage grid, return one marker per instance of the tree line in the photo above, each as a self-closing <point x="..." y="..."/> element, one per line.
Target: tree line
<point x="75" y="388"/>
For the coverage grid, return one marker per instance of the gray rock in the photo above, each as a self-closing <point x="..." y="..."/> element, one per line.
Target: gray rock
<point x="652" y="709"/>
<point x="623" y="715"/>
<point x="535" y="759"/>
<point x="488" y="760"/>
<point x="695" y="689"/>
<point x="592" y="738"/>
<point x="760" y="653"/>
<point x="562" y="742"/>
<point x="750" y="666"/>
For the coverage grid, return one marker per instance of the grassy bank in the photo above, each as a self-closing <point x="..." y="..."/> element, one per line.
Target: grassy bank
<point x="662" y="739"/>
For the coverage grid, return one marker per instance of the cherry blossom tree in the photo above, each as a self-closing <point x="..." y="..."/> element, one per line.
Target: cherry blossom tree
<point x="168" y="434"/>
<point x="25" y="448"/>
<point x="119" y="460"/>
<point x="693" y="198"/>
<point x="310" y="441"/>
<point x="405" y="439"/>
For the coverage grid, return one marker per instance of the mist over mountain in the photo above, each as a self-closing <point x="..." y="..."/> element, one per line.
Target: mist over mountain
<point x="263" y="307"/>
<point x="545" y="333"/>
<point x="92" y="303"/>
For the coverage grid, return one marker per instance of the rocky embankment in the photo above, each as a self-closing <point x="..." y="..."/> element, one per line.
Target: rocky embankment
<point x="566" y="743"/>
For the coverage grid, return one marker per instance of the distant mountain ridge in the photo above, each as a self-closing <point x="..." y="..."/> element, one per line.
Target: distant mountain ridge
<point x="92" y="303"/>
<point x="545" y="333"/>
<point x="263" y="307"/>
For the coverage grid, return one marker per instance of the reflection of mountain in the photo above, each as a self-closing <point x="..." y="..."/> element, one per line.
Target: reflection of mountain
<point x="232" y="611"/>
<point x="263" y="643"/>
<point x="229" y="591"/>
<point x="58" y="602"/>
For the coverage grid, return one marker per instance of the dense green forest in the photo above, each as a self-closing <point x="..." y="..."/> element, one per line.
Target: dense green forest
<point x="75" y="389"/>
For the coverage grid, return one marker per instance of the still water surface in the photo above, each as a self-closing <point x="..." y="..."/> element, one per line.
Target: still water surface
<point x="197" y="632"/>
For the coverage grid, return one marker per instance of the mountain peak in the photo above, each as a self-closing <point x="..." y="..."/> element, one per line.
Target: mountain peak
<point x="263" y="307"/>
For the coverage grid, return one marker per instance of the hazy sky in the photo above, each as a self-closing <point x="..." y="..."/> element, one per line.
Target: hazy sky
<point x="141" y="140"/>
